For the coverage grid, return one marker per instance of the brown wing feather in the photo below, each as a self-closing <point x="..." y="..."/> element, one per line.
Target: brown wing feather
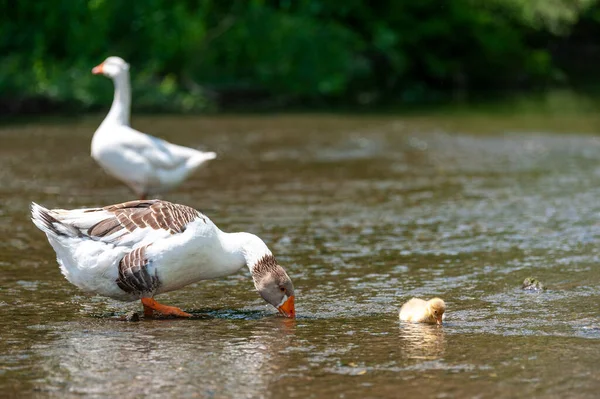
<point x="134" y="277"/>
<point x="105" y="227"/>
<point x="155" y="214"/>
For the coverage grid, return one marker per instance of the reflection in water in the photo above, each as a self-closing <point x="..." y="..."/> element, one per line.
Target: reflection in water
<point x="167" y="356"/>
<point x="422" y="341"/>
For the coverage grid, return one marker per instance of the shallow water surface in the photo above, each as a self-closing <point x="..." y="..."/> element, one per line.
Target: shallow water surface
<point x="364" y="213"/>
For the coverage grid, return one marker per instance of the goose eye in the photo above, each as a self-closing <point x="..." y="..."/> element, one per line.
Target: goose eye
<point x="435" y="312"/>
<point x="282" y="289"/>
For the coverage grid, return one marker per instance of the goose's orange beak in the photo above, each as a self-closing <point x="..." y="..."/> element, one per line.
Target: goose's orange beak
<point x="97" y="70"/>
<point x="287" y="309"/>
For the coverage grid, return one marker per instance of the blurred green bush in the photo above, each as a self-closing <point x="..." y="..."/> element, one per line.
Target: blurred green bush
<point x="193" y="54"/>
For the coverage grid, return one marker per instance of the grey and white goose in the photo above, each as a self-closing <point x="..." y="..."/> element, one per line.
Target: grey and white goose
<point x="139" y="249"/>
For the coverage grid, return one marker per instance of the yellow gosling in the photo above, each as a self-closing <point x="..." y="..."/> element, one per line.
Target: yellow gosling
<point x="420" y="311"/>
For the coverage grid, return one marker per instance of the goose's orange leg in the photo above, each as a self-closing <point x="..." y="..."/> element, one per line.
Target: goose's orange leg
<point x="150" y="306"/>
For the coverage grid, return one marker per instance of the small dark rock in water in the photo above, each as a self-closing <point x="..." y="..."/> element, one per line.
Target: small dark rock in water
<point x="132" y="316"/>
<point x="533" y="284"/>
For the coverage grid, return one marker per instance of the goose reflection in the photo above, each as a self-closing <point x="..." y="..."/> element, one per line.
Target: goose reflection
<point x="202" y="357"/>
<point x="422" y="341"/>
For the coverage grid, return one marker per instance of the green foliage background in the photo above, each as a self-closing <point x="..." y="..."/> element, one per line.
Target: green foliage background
<point x="197" y="54"/>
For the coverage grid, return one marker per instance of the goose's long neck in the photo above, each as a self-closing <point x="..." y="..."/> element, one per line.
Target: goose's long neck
<point x="119" y="111"/>
<point x="243" y="249"/>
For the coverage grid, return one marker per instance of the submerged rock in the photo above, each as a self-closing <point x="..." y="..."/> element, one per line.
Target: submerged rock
<point x="533" y="284"/>
<point x="132" y="316"/>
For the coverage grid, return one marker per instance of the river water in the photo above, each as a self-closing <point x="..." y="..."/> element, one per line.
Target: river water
<point x="364" y="212"/>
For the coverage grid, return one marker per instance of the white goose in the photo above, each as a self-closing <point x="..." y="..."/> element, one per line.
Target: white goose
<point x="148" y="165"/>
<point x="138" y="249"/>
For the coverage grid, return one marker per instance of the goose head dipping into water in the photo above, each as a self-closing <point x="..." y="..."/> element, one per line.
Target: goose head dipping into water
<point x="148" y="165"/>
